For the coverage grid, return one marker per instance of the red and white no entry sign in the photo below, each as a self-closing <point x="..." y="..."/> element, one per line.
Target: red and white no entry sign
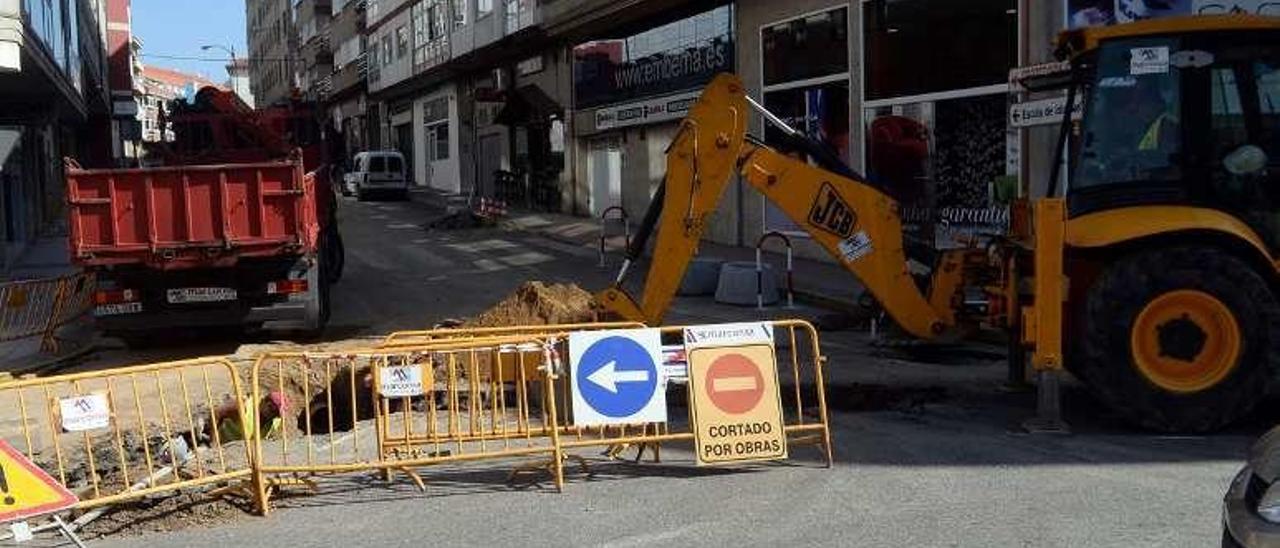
<point x="737" y="407"/>
<point x="734" y="384"/>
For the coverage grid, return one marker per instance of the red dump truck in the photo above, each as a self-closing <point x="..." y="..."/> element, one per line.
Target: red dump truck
<point x="237" y="228"/>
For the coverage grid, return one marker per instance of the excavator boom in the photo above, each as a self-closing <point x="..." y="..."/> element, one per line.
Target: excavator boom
<point x="855" y="222"/>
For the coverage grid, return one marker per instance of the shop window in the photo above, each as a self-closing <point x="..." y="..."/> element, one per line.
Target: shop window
<point x="915" y="47"/>
<point x="805" y="48"/>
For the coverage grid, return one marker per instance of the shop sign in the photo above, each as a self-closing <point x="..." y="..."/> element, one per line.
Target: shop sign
<point x="630" y="68"/>
<point x="1042" y="112"/>
<point x="1088" y="13"/>
<point x="652" y="111"/>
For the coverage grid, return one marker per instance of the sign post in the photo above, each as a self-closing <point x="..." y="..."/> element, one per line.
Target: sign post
<point x="733" y="385"/>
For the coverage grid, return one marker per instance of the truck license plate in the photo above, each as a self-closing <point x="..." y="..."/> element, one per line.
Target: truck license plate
<point x="201" y="295"/>
<point x="116" y="309"/>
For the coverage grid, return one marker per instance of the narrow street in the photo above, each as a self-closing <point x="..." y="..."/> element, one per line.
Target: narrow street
<point x="917" y="442"/>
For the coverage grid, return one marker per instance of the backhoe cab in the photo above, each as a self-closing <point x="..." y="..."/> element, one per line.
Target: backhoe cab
<point x="1155" y="258"/>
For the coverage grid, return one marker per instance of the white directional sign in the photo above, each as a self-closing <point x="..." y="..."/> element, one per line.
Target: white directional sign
<point x="615" y="377"/>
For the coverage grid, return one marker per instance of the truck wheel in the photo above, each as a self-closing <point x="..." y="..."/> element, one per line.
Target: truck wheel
<point x="315" y="326"/>
<point x="1180" y="339"/>
<point x="334" y="254"/>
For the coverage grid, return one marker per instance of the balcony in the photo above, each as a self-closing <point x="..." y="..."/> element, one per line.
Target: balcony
<point x="323" y="87"/>
<point x="350" y="76"/>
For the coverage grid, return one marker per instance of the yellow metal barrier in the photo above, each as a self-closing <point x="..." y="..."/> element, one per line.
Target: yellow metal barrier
<point x="484" y="395"/>
<point x="471" y="407"/>
<point x="39" y="307"/>
<point x="119" y="435"/>
<point x="800" y="361"/>
<point x="409" y="338"/>
<point x="123" y="434"/>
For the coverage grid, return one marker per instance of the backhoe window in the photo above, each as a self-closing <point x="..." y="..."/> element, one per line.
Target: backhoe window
<point x="1268" y="77"/>
<point x="1132" y="127"/>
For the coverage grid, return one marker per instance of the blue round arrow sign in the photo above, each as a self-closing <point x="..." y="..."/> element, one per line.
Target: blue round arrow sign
<point x="617" y="377"/>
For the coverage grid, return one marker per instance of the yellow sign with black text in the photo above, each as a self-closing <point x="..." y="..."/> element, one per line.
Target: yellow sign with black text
<point x="737" y="407"/>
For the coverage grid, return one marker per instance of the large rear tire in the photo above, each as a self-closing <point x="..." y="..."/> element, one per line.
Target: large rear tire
<point x="334" y="253"/>
<point x="1180" y="339"/>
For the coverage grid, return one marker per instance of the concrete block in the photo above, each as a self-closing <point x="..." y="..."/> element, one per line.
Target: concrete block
<point x="702" y="277"/>
<point x="738" y="284"/>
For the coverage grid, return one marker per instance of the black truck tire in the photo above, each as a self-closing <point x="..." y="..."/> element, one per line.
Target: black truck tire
<point x="1180" y="338"/>
<point x="333" y="253"/>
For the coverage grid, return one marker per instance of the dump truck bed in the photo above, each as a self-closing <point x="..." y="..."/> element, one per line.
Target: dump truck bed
<point x="191" y="216"/>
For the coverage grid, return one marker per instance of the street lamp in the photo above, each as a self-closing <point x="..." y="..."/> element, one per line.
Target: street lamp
<point x="230" y="50"/>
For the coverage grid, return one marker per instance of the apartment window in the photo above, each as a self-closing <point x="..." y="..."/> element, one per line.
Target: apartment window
<point x="419" y="34"/>
<point x="442" y="141"/>
<point x="459" y="13"/>
<point x="435" y="21"/>
<point x="402" y="41"/>
<point x="484" y="7"/>
<point x="386" y="50"/>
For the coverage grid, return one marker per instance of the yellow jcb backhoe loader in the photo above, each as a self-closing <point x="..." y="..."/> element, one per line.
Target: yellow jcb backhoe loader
<point x="1155" y="262"/>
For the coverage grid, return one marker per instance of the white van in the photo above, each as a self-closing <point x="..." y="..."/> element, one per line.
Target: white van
<point x="378" y="172"/>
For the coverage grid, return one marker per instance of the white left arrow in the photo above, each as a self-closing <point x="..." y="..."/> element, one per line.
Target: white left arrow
<point x="608" y="376"/>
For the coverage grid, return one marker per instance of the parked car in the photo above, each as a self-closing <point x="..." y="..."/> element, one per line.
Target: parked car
<point x="1251" y="509"/>
<point x="378" y="172"/>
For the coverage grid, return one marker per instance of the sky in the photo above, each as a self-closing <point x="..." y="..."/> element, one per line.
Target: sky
<point x="171" y="29"/>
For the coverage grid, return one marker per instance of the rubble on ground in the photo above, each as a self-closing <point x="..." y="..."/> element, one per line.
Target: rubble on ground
<point x="168" y="513"/>
<point x="458" y="220"/>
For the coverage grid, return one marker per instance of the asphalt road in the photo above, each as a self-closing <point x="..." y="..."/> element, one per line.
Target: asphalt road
<point x="926" y="449"/>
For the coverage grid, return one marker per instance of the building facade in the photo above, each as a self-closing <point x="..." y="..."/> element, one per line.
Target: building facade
<point x="348" y="101"/>
<point x="570" y="105"/>
<point x="273" y="50"/>
<point x="57" y="103"/>
<point x="238" y="80"/>
<point x="312" y="19"/>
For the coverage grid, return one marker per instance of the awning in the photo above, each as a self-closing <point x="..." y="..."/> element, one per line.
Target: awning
<point x="528" y="105"/>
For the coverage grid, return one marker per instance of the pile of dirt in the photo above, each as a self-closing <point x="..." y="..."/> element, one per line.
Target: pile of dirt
<point x="538" y="303"/>
<point x="181" y="511"/>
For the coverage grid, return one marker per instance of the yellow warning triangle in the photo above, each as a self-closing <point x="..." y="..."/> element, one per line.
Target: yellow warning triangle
<point x="27" y="491"/>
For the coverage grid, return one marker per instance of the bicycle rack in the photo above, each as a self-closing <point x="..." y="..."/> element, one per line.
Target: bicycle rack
<point x="791" y="299"/>
<point x="604" y="226"/>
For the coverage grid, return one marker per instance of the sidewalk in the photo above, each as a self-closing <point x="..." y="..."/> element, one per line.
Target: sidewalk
<point x="825" y="284"/>
<point x="47" y="257"/>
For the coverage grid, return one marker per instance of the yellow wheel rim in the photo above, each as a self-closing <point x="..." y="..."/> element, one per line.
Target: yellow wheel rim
<point x="1185" y="341"/>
